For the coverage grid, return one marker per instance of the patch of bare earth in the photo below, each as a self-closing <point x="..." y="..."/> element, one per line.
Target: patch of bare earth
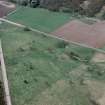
<point x="98" y="57"/>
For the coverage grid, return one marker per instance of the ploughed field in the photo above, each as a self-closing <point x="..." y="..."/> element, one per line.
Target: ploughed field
<point x="46" y="71"/>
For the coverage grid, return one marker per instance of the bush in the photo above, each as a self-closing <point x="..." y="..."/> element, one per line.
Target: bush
<point x="27" y="29"/>
<point x="62" y="44"/>
<point x="74" y="56"/>
<point x="24" y="2"/>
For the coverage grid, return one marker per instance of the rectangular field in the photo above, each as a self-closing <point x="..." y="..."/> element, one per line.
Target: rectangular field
<point x="39" y="18"/>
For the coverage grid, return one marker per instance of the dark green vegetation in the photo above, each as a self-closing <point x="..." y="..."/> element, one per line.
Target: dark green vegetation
<point x="89" y="8"/>
<point x="47" y="71"/>
<point x="1" y="95"/>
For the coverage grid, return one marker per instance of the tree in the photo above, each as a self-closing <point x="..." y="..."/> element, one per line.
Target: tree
<point x="34" y="3"/>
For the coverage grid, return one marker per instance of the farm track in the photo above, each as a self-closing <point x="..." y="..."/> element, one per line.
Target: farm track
<point x="51" y="35"/>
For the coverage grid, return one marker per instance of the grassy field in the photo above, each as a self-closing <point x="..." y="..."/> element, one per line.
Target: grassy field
<point x="43" y="71"/>
<point x="46" y="71"/>
<point x="41" y="19"/>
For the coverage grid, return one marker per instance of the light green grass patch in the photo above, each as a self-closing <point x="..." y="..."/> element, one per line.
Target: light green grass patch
<point x="39" y="18"/>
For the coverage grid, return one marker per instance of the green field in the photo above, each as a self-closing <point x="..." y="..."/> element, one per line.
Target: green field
<point x="41" y="19"/>
<point x="42" y="71"/>
<point x="47" y="71"/>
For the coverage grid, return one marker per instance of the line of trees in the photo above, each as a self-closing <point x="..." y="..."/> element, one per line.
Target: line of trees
<point x="88" y="7"/>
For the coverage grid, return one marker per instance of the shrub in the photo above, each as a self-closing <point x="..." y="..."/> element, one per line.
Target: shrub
<point x="74" y="56"/>
<point x="62" y="44"/>
<point x="27" y="29"/>
<point x="26" y="82"/>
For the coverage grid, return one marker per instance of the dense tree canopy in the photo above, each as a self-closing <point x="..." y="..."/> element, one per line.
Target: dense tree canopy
<point x="88" y="7"/>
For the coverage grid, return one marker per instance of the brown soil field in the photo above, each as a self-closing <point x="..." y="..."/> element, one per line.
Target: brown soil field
<point x="5" y="8"/>
<point x="77" y="31"/>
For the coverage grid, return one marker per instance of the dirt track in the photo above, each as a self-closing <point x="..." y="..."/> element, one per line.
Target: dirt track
<point x="91" y="35"/>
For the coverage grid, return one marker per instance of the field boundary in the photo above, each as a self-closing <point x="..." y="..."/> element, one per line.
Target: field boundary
<point x="4" y="77"/>
<point x="52" y="36"/>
